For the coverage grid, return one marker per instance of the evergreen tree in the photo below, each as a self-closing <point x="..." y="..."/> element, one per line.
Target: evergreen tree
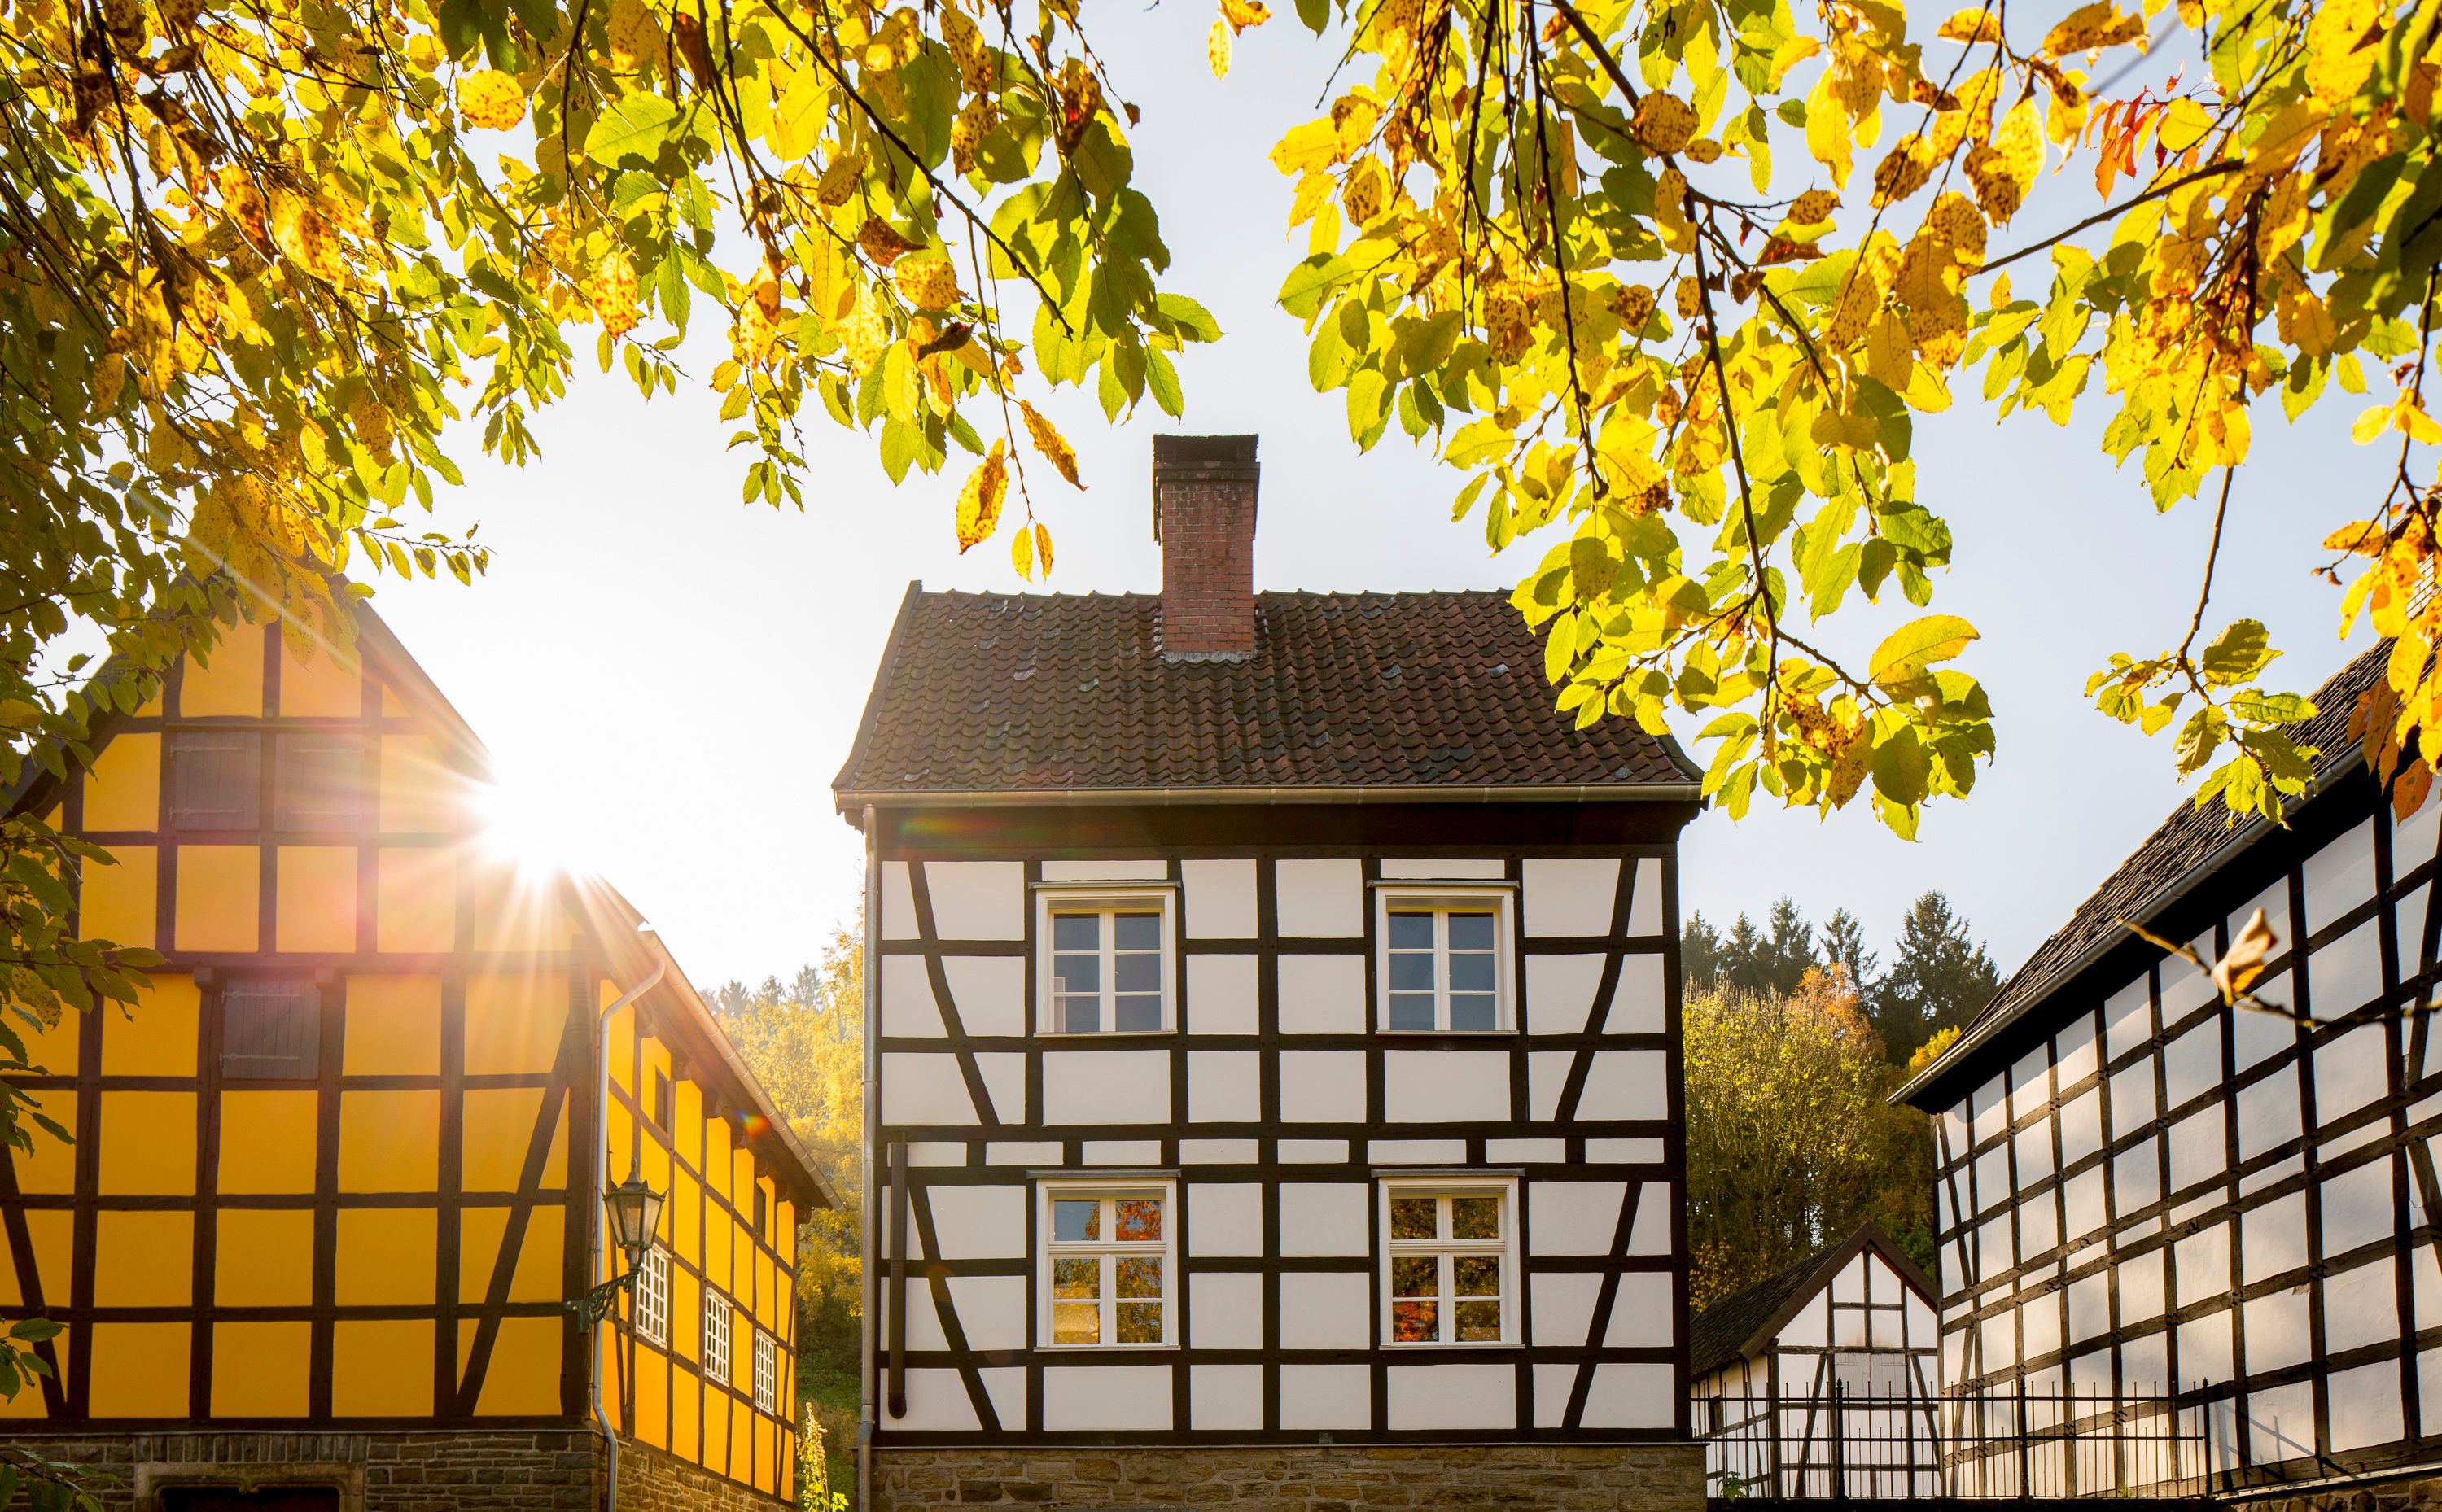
<point x="1699" y="951"/>
<point x="1745" y="966"/>
<point x="1844" y="945"/>
<point x="1792" y="946"/>
<point x="1939" y="978"/>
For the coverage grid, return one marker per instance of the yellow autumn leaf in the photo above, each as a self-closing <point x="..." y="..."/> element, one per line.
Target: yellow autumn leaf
<point x="1021" y="554"/>
<point x="491" y="100"/>
<point x="1975" y="24"/>
<point x="635" y="35"/>
<point x="2413" y="423"/>
<point x="979" y="500"/>
<point x="2373" y="422"/>
<point x="2364" y="539"/>
<point x="1244" y="13"/>
<point x="1217" y="49"/>
<point x="1055" y="449"/>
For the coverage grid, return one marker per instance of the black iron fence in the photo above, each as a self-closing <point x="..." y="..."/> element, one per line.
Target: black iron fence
<point x="1886" y="1443"/>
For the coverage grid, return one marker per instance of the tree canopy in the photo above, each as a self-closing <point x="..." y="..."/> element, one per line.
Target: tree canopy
<point x="1940" y="977"/>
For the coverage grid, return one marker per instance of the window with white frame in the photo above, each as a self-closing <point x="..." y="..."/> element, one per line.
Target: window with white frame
<point x="1449" y="1261"/>
<point x="1445" y="959"/>
<point x="1108" y="1271"/>
<point x="1105" y="960"/>
<point x="651" y="1308"/>
<point x="767" y="1372"/>
<point x="716" y="1326"/>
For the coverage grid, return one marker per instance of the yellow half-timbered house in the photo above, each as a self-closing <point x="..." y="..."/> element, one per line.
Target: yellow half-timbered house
<point x="337" y="1179"/>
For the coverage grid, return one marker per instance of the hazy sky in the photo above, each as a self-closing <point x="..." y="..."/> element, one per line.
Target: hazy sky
<point x="674" y="678"/>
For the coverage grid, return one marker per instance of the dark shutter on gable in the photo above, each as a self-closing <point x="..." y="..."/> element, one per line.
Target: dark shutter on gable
<point x="215" y="779"/>
<point x="272" y="1030"/>
<point x="320" y="782"/>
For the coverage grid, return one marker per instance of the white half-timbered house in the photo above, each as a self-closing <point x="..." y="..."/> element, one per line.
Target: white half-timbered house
<point x="2213" y="1220"/>
<point x="1819" y="1380"/>
<point x="1275" y="1041"/>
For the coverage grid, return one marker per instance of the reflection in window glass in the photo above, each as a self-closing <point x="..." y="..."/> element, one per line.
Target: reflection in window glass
<point x="1448" y="1264"/>
<point x="1109" y="1270"/>
<point x="1443" y="968"/>
<point x="1107" y="971"/>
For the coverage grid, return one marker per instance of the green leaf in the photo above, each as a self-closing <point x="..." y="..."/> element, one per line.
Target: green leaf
<point x="2237" y="653"/>
<point x="634" y="128"/>
<point x="1908" y="651"/>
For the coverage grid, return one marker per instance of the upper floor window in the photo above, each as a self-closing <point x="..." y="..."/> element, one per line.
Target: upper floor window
<point x="652" y="1304"/>
<point x="271" y="1027"/>
<point x="761" y="1215"/>
<point x="1449" y="1261"/>
<point x="320" y="782"/>
<point x="1106" y="1264"/>
<point x="1106" y="961"/>
<point x="215" y="779"/>
<point x="1445" y="959"/>
<point x="767" y="1372"/>
<point x="716" y="1322"/>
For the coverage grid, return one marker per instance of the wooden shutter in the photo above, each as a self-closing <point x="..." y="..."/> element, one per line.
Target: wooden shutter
<point x="215" y="779"/>
<point x="319" y="784"/>
<point x="272" y="1030"/>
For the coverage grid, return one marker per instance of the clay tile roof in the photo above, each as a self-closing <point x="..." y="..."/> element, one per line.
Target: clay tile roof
<point x="995" y="693"/>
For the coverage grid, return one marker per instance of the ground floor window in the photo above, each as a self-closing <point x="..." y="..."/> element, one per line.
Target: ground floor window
<point x="1449" y="1261"/>
<point x="1106" y="1264"/>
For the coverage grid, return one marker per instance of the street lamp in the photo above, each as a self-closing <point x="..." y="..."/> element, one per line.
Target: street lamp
<point x="634" y="1210"/>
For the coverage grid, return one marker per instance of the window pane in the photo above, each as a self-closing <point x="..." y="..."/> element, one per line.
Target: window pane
<point x="1076" y="1218"/>
<point x="1081" y="1277"/>
<point x="1415" y="1275"/>
<point x="1476" y="1275"/>
<point x="1140" y="1277"/>
<point x="1470" y="970"/>
<point x="1412" y="1219"/>
<point x="1411" y="1010"/>
<point x="1076" y="974"/>
<point x="1479" y="1323"/>
<point x="1136" y="1012"/>
<point x="1075" y="1323"/>
<point x="1139" y="1322"/>
<point x="1081" y="1014"/>
<point x="1470" y="931"/>
<point x="1411" y="970"/>
<point x="1473" y="1011"/>
<point x="1136" y="931"/>
<point x="1475" y="1217"/>
<point x="1140" y="1219"/>
<point x="1139" y="973"/>
<point x="1076" y="932"/>
<point x="1411" y="931"/>
<point x="1414" y="1322"/>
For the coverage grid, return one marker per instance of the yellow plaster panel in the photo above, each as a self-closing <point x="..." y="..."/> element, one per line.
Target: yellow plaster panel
<point x="417" y="897"/>
<point x="51" y="1166"/>
<point x="394" y="1027"/>
<point x="331" y="684"/>
<point x="121" y="902"/>
<point x="389" y="1142"/>
<point x="317" y="903"/>
<point x="513" y="1021"/>
<point x="522" y="1379"/>
<point x="147" y="1143"/>
<point x="262" y="1370"/>
<point x="392" y="704"/>
<point x="657" y="1170"/>
<point x="717" y="1232"/>
<point x="515" y="911"/>
<point x="387" y="1255"/>
<point x="123" y="789"/>
<point x="687" y="1219"/>
<point x="652" y="1395"/>
<point x="266" y="1141"/>
<point x="140" y="1370"/>
<point x="619" y="1139"/>
<point x="686" y="1112"/>
<point x="536" y="1276"/>
<point x="715" y="1438"/>
<point x="499" y="1127"/>
<point x="220" y="898"/>
<point x="686" y="1316"/>
<point x="742" y="1419"/>
<point x="420" y="794"/>
<point x="56" y="1048"/>
<point x="51" y="1235"/>
<point x="156" y="1037"/>
<point x="230" y="682"/>
<point x="265" y="1258"/>
<point x="143" y="1259"/>
<point x="381" y="1367"/>
<point x="619" y="1033"/>
<point x="687" y="1416"/>
<point x="715" y="1157"/>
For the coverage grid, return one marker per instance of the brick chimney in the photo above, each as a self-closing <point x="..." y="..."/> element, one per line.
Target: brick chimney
<point x="1204" y="517"/>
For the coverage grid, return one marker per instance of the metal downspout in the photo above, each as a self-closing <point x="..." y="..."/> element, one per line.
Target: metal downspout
<point x="601" y="1186"/>
<point x="873" y="979"/>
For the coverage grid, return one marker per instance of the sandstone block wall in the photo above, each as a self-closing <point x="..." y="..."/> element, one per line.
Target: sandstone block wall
<point x="1298" y="1478"/>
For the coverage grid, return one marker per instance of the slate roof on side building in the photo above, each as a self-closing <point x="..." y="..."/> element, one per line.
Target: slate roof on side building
<point x="1748" y="1318"/>
<point x="986" y="694"/>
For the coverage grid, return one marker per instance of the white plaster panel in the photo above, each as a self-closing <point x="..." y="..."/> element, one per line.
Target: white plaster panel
<point x="1225" y="1309"/>
<point x="2339" y="876"/>
<point x="1225" y="1396"/>
<point x="989" y="992"/>
<point x="2073" y="1050"/>
<point x="1553" y="1384"/>
<point x="1110" y="869"/>
<point x="1006" y="1386"/>
<point x="1322" y="1086"/>
<point x="1990" y="1109"/>
<point x="1571" y="896"/>
<point x="1616" y="1152"/>
<point x="1106" y="1086"/>
<point x="2090" y="1306"/>
<point x="1447" y="1087"/>
<point x="937" y="1402"/>
<point x="2038" y="1226"/>
<point x="1993" y="1177"/>
<point x="1561" y="1307"/>
<point x="1641" y="1313"/>
<point x="2185" y="989"/>
<point x="978" y="1221"/>
<point x="898" y="903"/>
<point x="2279" y="1425"/>
<point x="1994" y="1246"/>
<point x="2267" y="1113"/>
<point x="2192" y="1064"/>
<point x="991" y="1309"/>
<point x="978" y="900"/>
<point x="2346" y="973"/>
<point x="2363" y="1406"/>
<point x="1627" y="1085"/>
<point x="1996" y="1341"/>
<point x="2082" y="1204"/>
<point x="1224" y="1086"/>
<point x="2361" y="1306"/>
<point x="1573" y="1217"/>
<point x="2140" y="1289"/>
<point x="1217" y="1152"/>
<point x="2428" y="1375"/>
<point x="2081" y="1127"/>
<point x="1121" y="1152"/>
<point x="2200" y="1148"/>
<point x="2350" y="1071"/>
<point x="1560" y="992"/>
<point x="2202" y="1261"/>
<point x="2040" y="1320"/>
<point x="1809" y="1327"/>
<point x="1652" y="1234"/>
<point x="937" y="1152"/>
<point x="2132" y="1097"/>
<point x="2278" y="1331"/>
<point x="2357" y="1208"/>
<point x="1220" y="899"/>
<point x="2255" y="1038"/>
<point x="1325" y="1219"/>
<point x="2034" y="1148"/>
<point x="1022" y="1152"/>
<point x="1313" y="1152"/>
<point x="1003" y="1077"/>
<point x="1535" y="1152"/>
<point x="2411" y="839"/>
<point x="1645" y="903"/>
<point x="2128" y="1017"/>
<point x="1105" y="1397"/>
<point x="923" y="1319"/>
<point x="2408" y="926"/>
<point x="1639" y="1005"/>
<point x="1323" y="994"/>
<point x="1221" y="994"/>
<point x="920" y="1087"/>
<point x="2425" y="1282"/>
<point x="1327" y="1397"/>
<point x="1445" y="1397"/>
<point x="1445" y="868"/>
<point x="2136" y="1177"/>
<point x="1547" y="1076"/>
<point x="1319" y="897"/>
<point x="1416" y="1152"/>
<point x="908" y="1007"/>
<point x="1325" y="1309"/>
<point x="1631" y="1396"/>
<point x="1224" y="1218"/>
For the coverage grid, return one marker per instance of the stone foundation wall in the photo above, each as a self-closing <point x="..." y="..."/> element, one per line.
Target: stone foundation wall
<point x="651" y="1481"/>
<point x="2417" y="1491"/>
<point x="1299" y="1478"/>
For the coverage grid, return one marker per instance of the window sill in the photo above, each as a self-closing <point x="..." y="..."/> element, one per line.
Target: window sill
<point x="1470" y="1034"/>
<point x="1103" y="1033"/>
<point x="1101" y="1349"/>
<point x="1477" y="1346"/>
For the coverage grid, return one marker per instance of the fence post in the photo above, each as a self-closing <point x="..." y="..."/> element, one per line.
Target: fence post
<point x="2026" y="1460"/>
<point x="1839" y="1443"/>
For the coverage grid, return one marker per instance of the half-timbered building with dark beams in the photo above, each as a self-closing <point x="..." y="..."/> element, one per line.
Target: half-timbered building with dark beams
<point x="2153" y="1205"/>
<point x="336" y="1194"/>
<point x="1275" y="1044"/>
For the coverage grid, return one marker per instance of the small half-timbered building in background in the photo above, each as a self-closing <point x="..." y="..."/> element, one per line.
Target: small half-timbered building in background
<point x="1820" y="1379"/>
<point x="338" y="1176"/>
<point x="2157" y="1205"/>
<point x="1276" y="1031"/>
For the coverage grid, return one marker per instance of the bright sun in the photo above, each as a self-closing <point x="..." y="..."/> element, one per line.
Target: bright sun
<point x="539" y="827"/>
